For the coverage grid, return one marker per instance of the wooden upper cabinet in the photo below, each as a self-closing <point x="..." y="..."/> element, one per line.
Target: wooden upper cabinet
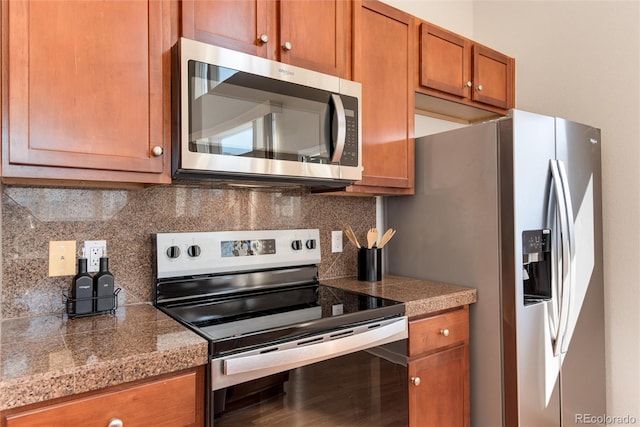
<point x="457" y="69"/>
<point x="444" y="61"/>
<point x="492" y="77"/>
<point x="318" y="33"/>
<point x="89" y="90"/>
<point x="384" y="64"/>
<point x="313" y="34"/>
<point x="247" y="26"/>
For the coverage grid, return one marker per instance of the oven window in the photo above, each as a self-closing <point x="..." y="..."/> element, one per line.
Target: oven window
<point x="358" y="389"/>
<point x="240" y="114"/>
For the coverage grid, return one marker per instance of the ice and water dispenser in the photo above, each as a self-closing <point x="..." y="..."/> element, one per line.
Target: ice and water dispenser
<point x="536" y="265"/>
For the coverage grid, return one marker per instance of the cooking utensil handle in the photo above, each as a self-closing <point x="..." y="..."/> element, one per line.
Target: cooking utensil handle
<point x="338" y="127"/>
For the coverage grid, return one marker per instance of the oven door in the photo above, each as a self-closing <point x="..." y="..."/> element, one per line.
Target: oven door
<point x="357" y="373"/>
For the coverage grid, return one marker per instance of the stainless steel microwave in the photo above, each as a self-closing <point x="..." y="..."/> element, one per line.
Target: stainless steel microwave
<point x="247" y="118"/>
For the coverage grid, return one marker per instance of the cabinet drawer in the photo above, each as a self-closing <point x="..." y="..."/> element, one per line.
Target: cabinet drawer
<point x="438" y="331"/>
<point x="170" y="402"/>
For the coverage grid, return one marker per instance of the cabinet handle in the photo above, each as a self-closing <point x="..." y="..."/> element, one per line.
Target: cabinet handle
<point x="287" y="46"/>
<point x="116" y="422"/>
<point x="263" y="38"/>
<point x="157" y="151"/>
<point x="468" y="84"/>
<point x="415" y="381"/>
<point x="444" y="332"/>
<point x="479" y="88"/>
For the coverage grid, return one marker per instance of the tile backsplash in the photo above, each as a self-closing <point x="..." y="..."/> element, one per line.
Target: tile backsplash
<point x="32" y="216"/>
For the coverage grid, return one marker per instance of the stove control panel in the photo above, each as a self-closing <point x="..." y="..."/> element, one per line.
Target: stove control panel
<point x="198" y="253"/>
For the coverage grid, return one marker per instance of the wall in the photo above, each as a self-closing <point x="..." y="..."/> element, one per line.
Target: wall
<point x="31" y="217"/>
<point x="580" y="60"/>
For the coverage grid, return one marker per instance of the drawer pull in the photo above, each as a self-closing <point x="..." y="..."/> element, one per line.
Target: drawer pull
<point x="415" y="381"/>
<point x="444" y="332"/>
<point x="116" y="422"/>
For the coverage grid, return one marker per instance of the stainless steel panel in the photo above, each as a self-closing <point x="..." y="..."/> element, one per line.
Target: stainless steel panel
<point x="537" y="369"/>
<point x="583" y="366"/>
<point x="477" y="189"/>
<point x="448" y="231"/>
<point x="254" y="364"/>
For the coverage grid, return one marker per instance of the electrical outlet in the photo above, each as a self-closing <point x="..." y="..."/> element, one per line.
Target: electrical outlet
<point x="62" y="258"/>
<point x="93" y="251"/>
<point x="336" y="241"/>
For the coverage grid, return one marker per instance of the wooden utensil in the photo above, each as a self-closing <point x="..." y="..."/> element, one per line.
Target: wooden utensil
<point x="372" y="237"/>
<point x="386" y="237"/>
<point x="352" y="236"/>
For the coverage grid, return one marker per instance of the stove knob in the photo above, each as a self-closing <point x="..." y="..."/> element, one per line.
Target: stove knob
<point x="194" y="251"/>
<point x="311" y="244"/>
<point x="173" y="252"/>
<point x="296" y="245"/>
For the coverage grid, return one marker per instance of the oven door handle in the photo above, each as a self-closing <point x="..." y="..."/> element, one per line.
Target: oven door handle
<point x="318" y="348"/>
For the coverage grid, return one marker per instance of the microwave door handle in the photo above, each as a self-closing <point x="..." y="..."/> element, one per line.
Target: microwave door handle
<point x="339" y="128"/>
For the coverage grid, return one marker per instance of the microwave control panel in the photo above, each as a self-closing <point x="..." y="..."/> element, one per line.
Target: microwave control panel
<point x="350" y="152"/>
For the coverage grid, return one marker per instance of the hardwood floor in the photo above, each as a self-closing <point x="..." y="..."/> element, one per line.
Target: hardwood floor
<point x="358" y="389"/>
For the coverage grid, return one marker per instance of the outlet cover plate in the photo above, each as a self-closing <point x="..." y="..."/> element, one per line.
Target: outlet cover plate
<point x="62" y="258"/>
<point x="93" y="251"/>
<point x="336" y="241"/>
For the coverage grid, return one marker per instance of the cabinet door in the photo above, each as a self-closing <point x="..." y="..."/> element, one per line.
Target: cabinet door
<point x="169" y="403"/>
<point x="492" y="77"/>
<point x="384" y="65"/>
<point x="248" y="26"/>
<point x="316" y="34"/>
<point x="444" y="61"/>
<point x="88" y="94"/>
<point x="439" y="389"/>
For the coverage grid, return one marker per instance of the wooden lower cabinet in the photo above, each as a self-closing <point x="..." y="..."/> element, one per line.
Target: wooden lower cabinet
<point x="438" y="370"/>
<point x="172" y="401"/>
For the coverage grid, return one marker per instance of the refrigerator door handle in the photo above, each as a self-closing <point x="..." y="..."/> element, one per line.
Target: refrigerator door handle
<point x="553" y="223"/>
<point x="564" y="261"/>
<point x="572" y="248"/>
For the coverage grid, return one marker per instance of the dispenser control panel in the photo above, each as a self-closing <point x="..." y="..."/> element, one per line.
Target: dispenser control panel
<point x="536" y="241"/>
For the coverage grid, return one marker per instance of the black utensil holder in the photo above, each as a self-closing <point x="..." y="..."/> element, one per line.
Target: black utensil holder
<point x="370" y="264"/>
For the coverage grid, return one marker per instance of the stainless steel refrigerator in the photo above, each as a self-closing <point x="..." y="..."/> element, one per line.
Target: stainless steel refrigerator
<point x="512" y="207"/>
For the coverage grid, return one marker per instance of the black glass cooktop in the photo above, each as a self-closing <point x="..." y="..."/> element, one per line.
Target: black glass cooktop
<point x="240" y="322"/>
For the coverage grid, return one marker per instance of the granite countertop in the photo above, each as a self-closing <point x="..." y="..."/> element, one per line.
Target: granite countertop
<point x="421" y="297"/>
<point x="47" y="357"/>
